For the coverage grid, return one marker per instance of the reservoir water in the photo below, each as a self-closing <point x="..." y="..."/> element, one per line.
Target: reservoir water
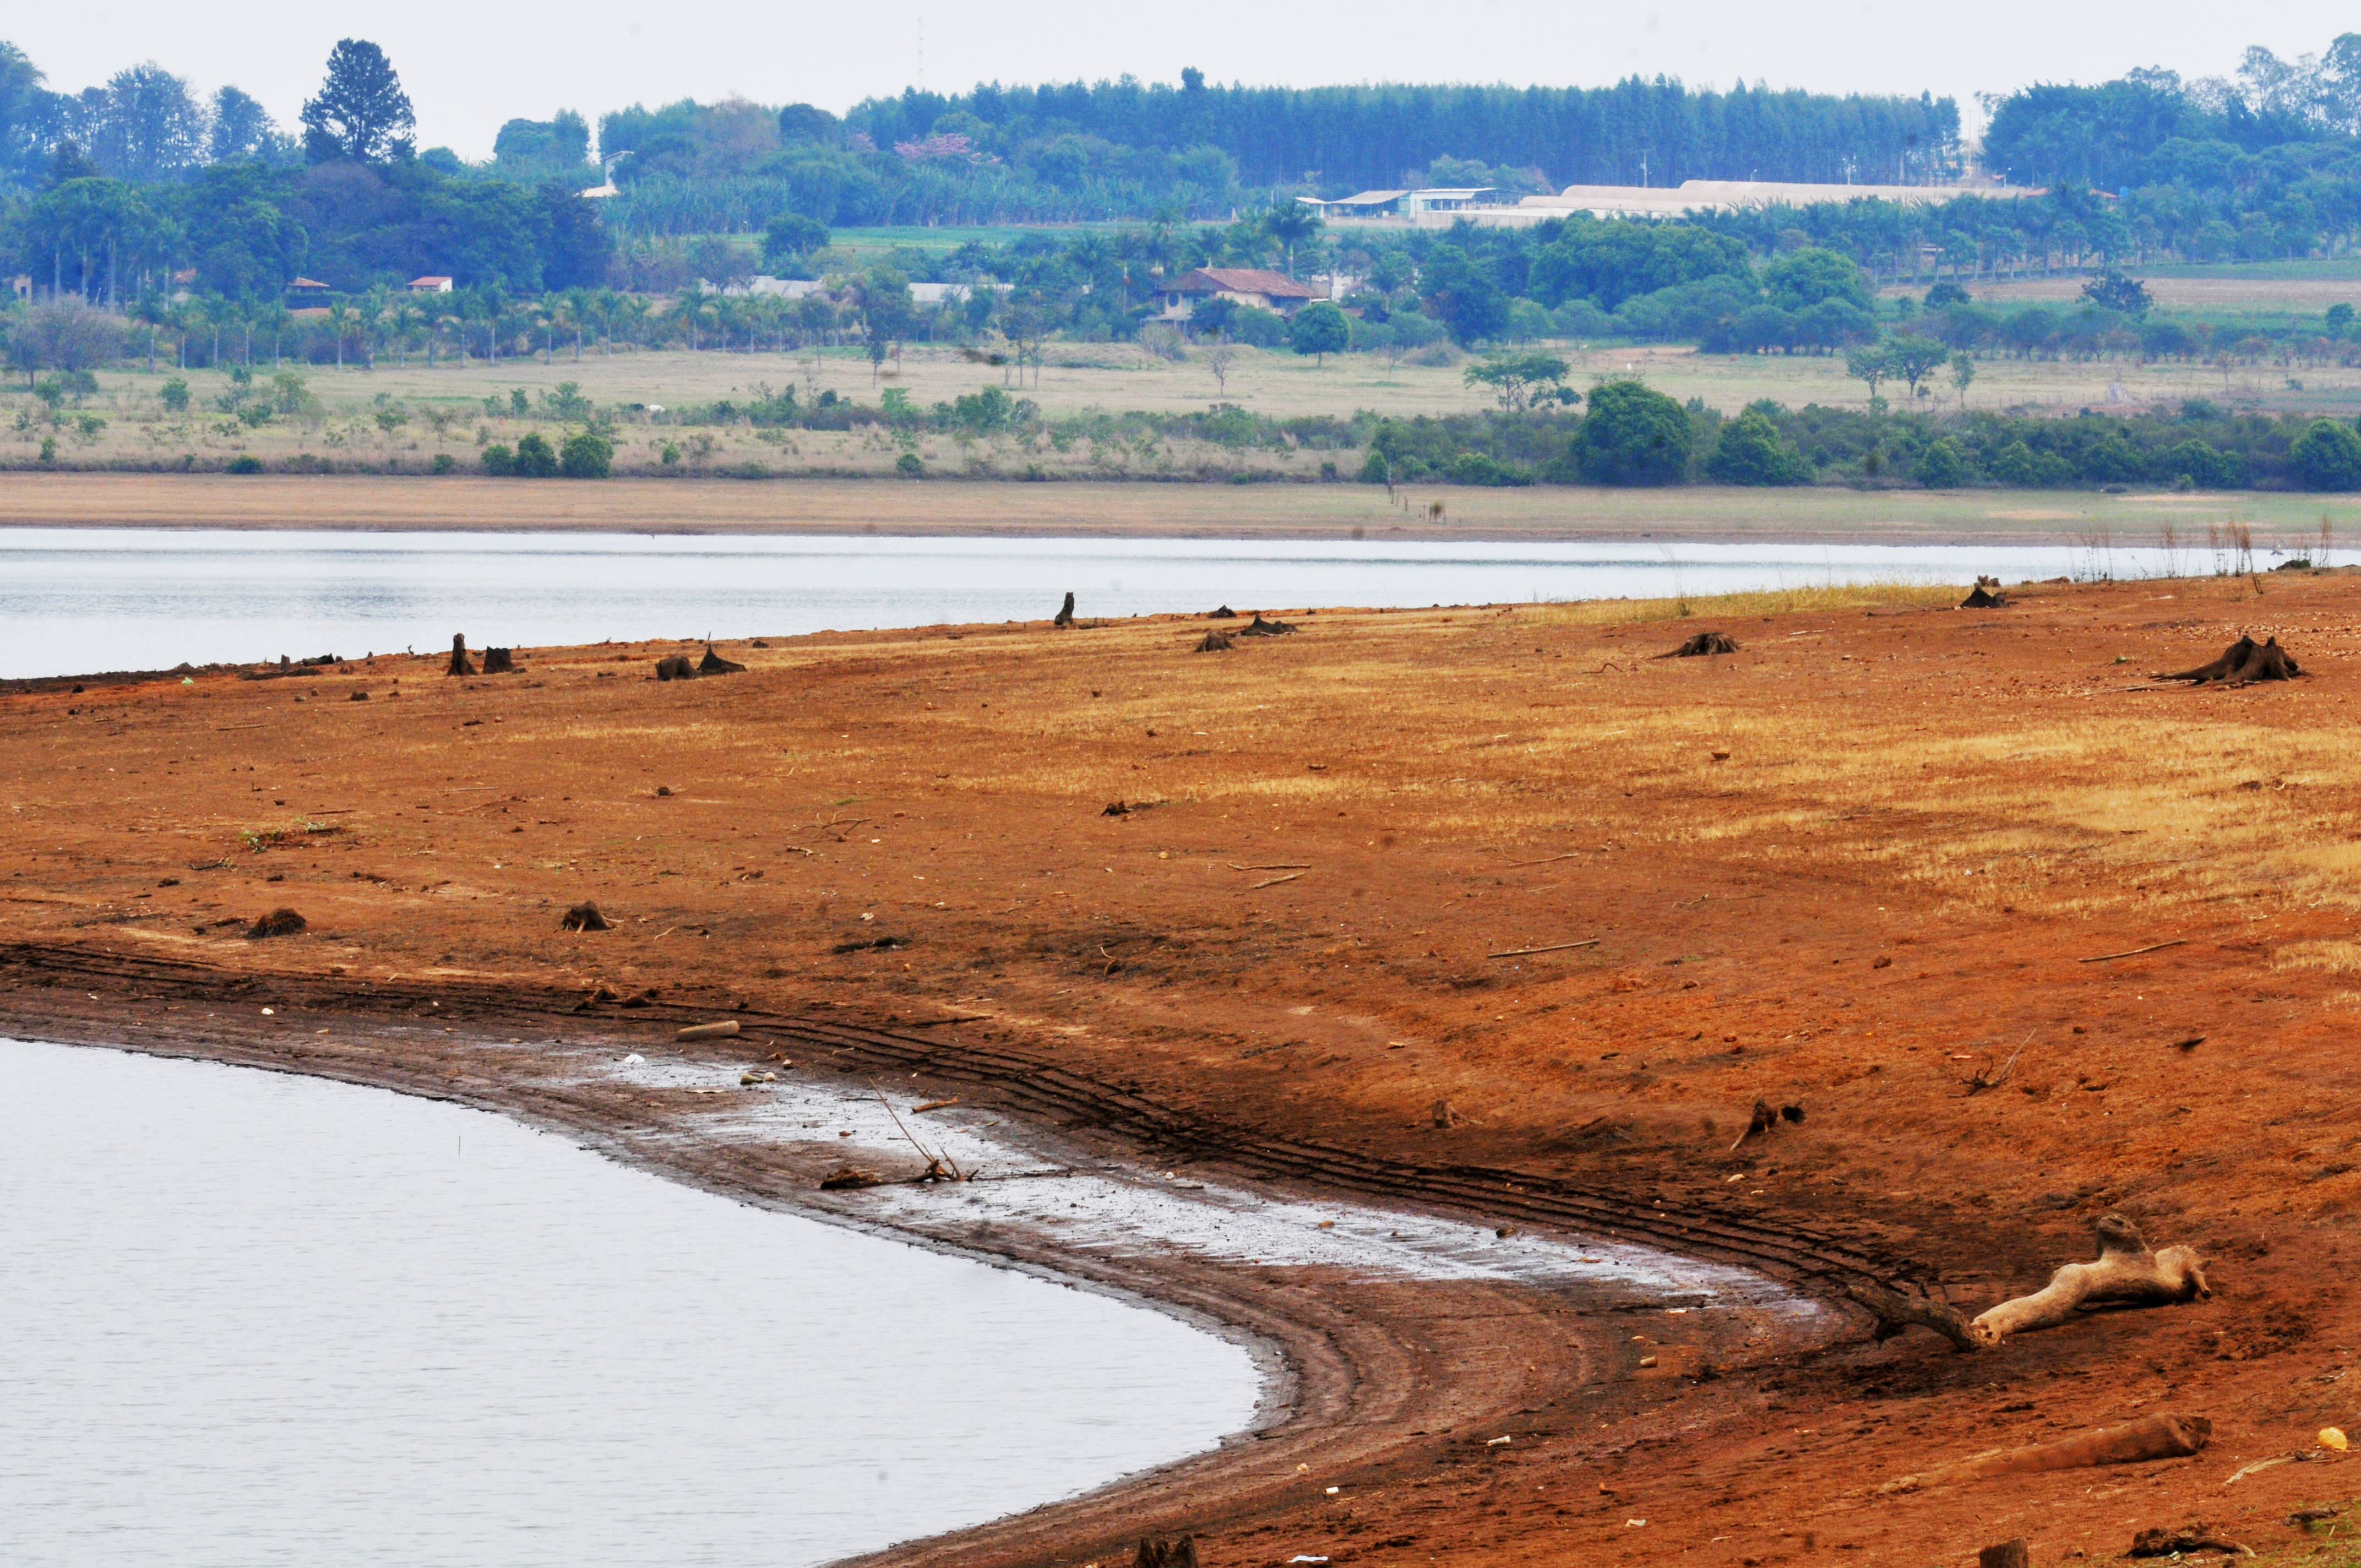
<point x="81" y="600"/>
<point x="248" y="1318"/>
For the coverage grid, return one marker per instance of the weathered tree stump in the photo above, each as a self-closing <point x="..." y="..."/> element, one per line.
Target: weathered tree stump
<point x="2007" y="1554"/>
<point x="1986" y="596"/>
<point x="2241" y="664"/>
<point x="277" y="923"/>
<point x="714" y="663"/>
<point x="499" y="661"/>
<point x="460" y="663"/>
<point x="1065" y="612"/>
<point x="675" y="668"/>
<point x="1224" y="613"/>
<point x="1258" y="627"/>
<point x="1704" y="644"/>
<point x="585" y="916"/>
<point x="1214" y="642"/>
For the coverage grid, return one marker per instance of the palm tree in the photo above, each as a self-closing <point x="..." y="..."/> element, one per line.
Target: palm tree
<point x="340" y="321"/>
<point x="406" y="317"/>
<point x="691" y="306"/>
<point x="1291" y="225"/>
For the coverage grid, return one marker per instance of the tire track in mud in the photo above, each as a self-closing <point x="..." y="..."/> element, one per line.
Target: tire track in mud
<point x="1817" y="1260"/>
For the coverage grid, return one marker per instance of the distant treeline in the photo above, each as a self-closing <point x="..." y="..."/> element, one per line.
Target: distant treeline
<point x="1344" y="139"/>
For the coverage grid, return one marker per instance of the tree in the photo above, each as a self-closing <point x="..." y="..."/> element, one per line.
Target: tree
<point x="1292" y="225"/>
<point x="791" y="236"/>
<point x="1943" y="466"/>
<point x="1913" y="357"/>
<point x="361" y="115"/>
<point x="1963" y="375"/>
<point x="1218" y="359"/>
<point x="1749" y="452"/>
<point x="62" y="334"/>
<point x="1462" y="295"/>
<point x="1632" y="436"/>
<point x="1804" y="277"/>
<point x="1869" y="362"/>
<point x="2112" y="290"/>
<point x="2328" y="456"/>
<point x="585" y="455"/>
<point x="1517" y="380"/>
<point x="1320" y="329"/>
<point x="242" y="129"/>
<point x="535" y="460"/>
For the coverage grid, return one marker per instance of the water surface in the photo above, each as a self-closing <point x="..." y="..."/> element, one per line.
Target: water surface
<point x="251" y="1319"/>
<point x="80" y="600"/>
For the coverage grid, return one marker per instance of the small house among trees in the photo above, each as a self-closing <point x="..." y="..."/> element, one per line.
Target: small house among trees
<point x="1258" y="287"/>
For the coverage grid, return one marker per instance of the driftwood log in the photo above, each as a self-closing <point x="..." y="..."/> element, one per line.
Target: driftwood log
<point x="1258" y="627"/>
<point x="1065" y="612"/>
<point x="1223" y="613"/>
<point x="675" y="668"/>
<point x="460" y="663"/>
<point x="2126" y="1274"/>
<point x="714" y="663"/>
<point x="1704" y="644"/>
<point x="2241" y="664"/>
<point x="2134" y="1442"/>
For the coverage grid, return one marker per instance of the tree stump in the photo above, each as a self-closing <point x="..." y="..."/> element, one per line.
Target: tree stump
<point x="585" y="916"/>
<point x="714" y="663"/>
<point x="2241" y="664"/>
<point x="675" y="668"/>
<point x="2007" y="1554"/>
<point x="498" y="662"/>
<point x="1704" y="644"/>
<point x="1065" y="612"/>
<point x="1214" y="642"/>
<point x="460" y="663"/>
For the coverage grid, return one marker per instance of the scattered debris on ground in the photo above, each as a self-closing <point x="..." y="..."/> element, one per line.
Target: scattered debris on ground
<point x="2194" y="1536"/>
<point x="849" y="1175"/>
<point x="882" y="944"/>
<point x="2243" y="662"/>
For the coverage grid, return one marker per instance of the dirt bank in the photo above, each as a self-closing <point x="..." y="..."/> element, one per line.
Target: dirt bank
<point x="1851" y="868"/>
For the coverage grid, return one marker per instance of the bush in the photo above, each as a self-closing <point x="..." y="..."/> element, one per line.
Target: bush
<point x="2328" y="456"/>
<point x="585" y="456"/>
<point x="1632" y="436"/>
<point x="244" y="462"/>
<point x="1749" y="453"/>
<point x="535" y="460"/>
<point x="443" y="464"/>
<point x="1943" y="466"/>
<point x="175" y="395"/>
<point x="1483" y="468"/>
<point x="1320" y="329"/>
<point x="499" y="459"/>
<point x="911" y="465"/>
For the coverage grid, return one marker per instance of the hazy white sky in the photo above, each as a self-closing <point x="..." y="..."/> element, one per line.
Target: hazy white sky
<point x="468" y="66"/>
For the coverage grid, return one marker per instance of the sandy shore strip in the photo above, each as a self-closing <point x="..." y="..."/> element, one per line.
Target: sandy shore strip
<point x="1533" y="513"/>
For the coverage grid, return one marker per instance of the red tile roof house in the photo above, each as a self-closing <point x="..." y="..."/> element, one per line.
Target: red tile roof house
<point x="1255" y="286"/>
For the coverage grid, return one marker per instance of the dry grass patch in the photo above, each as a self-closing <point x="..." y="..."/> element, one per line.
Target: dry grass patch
<point x="1803" y="600"/>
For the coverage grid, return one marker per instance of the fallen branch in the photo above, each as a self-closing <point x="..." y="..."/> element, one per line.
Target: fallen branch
<point x="936" y="1163"/>
<point x="2152" y="948"/>
<point x="2135" y="1442"/>
<point x="724" y="1030"/>
<point x="2194" y="1536"/>
<point x="2125" y="1273"/>
<point x="1274" y="882"/>
<point x="1981" y="1082"/>
<point x="935" y="1106"/>
<point x="1554" y="948"/>
<point x="1545" y="860"/>
<point x="1274" y="866"/>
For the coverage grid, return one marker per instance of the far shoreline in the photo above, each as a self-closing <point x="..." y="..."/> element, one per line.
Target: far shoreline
<point x="1121" y="508"/>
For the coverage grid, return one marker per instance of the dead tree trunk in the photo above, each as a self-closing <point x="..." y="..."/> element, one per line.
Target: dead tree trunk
<point x="2242" y="663"/>
<point x="499" y="661"/>
<point x="2126" y="1274"/>
<point x="460" y="665"/>
<point x="1065" y="613"/>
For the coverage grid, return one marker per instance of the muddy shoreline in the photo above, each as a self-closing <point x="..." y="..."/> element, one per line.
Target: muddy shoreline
<point x="1350" y="1395"/>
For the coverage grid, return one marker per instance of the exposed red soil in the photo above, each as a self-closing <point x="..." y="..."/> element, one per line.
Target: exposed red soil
<point x="1851" y="868"/>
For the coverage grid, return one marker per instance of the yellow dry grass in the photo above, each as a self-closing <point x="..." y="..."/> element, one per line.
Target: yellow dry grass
<point x="1805" y="599"/>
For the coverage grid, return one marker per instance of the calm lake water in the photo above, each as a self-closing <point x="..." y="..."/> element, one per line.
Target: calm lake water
<point x="250" y="1319"/>
<point x="81" y="600"/>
